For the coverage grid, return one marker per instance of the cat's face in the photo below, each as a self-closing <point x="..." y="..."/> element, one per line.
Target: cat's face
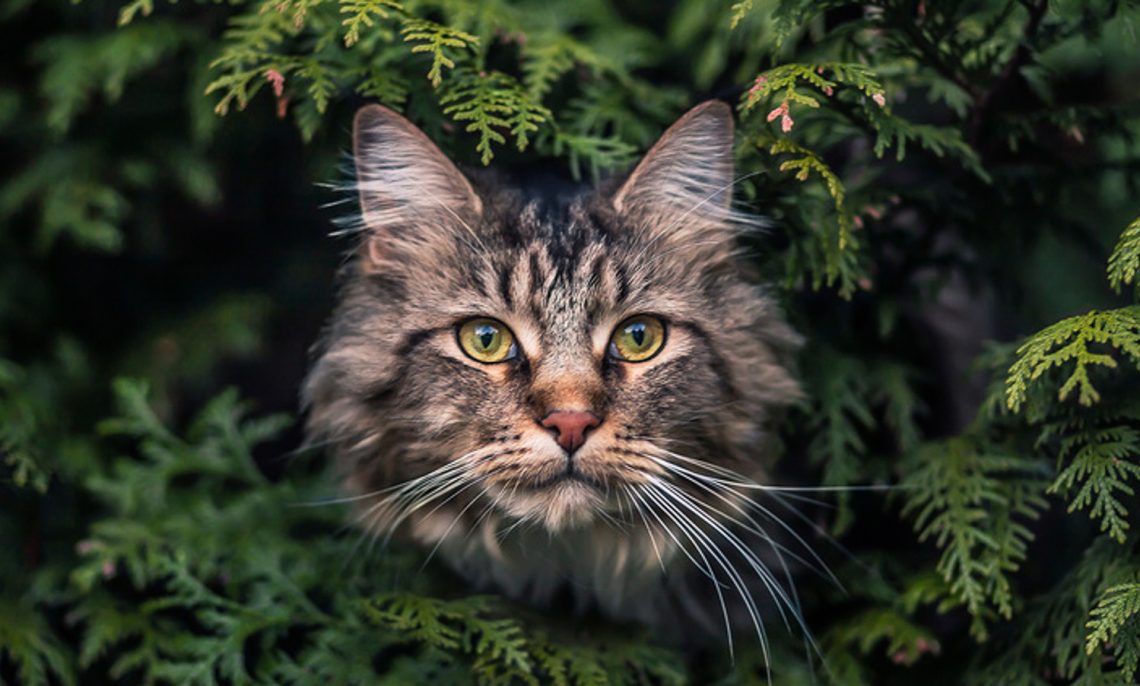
<point x="540" y="360"/>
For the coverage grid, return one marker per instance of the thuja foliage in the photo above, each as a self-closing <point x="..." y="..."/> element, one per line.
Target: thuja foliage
<point x="948" y="194"/>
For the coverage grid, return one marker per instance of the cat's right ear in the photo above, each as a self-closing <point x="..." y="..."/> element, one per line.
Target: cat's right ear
<point x="405" y="182"/>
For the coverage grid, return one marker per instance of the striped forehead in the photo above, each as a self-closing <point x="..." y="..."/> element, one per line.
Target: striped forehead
<point x="561" y="278"/>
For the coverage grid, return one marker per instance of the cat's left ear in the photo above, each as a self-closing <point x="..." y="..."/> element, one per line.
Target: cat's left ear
<point x="408" y="188"/>
<point x="688" y="171"/>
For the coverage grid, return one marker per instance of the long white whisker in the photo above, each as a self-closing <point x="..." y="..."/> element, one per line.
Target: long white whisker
<point x="778" y="593"/>
<point x="704" y="482"/>
<point x="751" y="525"/>
<point x="450" y="526"/>
<point x="701" y="541"/>
<point x="738" y="480"/>
<point x="706" y="569"/>
<point x="636" y="509"/>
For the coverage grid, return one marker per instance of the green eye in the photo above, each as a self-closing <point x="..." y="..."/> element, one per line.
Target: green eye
<point x="486" y="340"/>
<point x="638" y="338"/>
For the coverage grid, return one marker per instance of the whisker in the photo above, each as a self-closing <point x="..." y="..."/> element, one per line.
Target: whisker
<point x="695" y="478"/>
<point x="702" y="542"/>
<point x="636" y="509"/>
<point x="706" y="569"/>
<point x="774" y="588"/>
<point x="451" y="526"/>
<point x="754" y="527"/>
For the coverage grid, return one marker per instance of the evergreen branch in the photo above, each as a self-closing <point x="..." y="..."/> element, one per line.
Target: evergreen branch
<point x="75" y="67"/>
<point x="739" y="11"/>
<point x="489" y="104"/>
<point x="970" y="503"/>
<point x="248" y="45"/>
<point x="1072" y="340"/>
<point x="129" y="11"/>
<point x="840" y="417"/>
<point x="839" y="247"/>
<point x="467" y="624"/>
<point x="26" y="640"/>
<point x="791" y="16"/>
<point x="895" y="131"/>
<point x="984" y="102"/>
<point x="1124" y="262"/>
<point x="904" y="640"/>
<point x="782" y="83"/>
<point x="546" y="57"/>
<point x="430" y="37"/>
<point x="1104" y="461"/>
<point x="602" y="153"/>
<point x="363" y="15"/>
<point x="1113" y="625"/>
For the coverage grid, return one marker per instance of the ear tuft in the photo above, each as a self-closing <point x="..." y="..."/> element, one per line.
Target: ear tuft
<point x="403" y="178"/>
<point x="688" y="170"/>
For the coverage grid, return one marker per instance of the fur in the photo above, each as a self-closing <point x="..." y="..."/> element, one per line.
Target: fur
<point x="450" y="452"/>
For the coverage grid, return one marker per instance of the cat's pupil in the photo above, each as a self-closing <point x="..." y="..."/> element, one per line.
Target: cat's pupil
<point x="486" y="336"/>
<point x="637" y="333"/>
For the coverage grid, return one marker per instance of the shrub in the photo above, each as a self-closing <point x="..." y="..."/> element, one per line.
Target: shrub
<point x="935" y="175"/>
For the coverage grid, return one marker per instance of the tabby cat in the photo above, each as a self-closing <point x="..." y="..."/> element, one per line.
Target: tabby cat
<point x="562" y="397"/>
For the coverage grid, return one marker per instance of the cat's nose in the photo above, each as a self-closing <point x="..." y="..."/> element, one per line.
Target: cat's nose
<point x="571" y="427"/>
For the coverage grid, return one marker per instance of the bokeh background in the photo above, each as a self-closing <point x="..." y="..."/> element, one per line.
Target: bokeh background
<point x="941" y="180"/>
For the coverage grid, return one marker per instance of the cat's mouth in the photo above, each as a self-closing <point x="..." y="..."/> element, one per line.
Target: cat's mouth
<point x="570" y="476"/>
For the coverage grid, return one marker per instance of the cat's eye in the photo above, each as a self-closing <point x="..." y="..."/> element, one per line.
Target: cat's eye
<point x="487" y="340"/>
<point x="637" y="339"/>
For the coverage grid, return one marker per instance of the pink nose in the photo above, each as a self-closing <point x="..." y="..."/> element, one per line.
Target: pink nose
<point x="571" y="426"/>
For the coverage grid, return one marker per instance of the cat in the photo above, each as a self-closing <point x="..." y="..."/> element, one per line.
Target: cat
<point x="568" y="395"/>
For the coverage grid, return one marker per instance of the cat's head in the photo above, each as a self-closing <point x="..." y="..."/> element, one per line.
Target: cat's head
<point x="538" y="359"/>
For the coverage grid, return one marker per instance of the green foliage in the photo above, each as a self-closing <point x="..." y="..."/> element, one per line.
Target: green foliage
<point x="488" y="102"/>
<point x="850" y="399"/>
<point x="1113" y="621"/>
<point x="362" y="15"/>
<point x="919" y="168"/>
<point x="1098" y="455"/>
<point x="1124" y="262"/>
<point x="1077" y="341"/>
<point x="76" y="68"/>
<point x="432" y="38"/>
<point x="831" y="258"/>
<point x="369" y="47"/>
<point x="1101" y="463"/>
<point x="26" y="640"/>
<point x="781" y="84"/>
<point x="1047" y="642"/>
<point x="975" y="505"/>
<point x="238" y="580"/>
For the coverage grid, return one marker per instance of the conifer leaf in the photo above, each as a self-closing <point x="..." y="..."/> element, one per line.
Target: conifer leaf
<point x="1085" y="342"/>
<point x="38" y="657"/>
<point x="491" y="104"/>
<point x="839" y="247"/>
<point x="548" y="56"/>
<point x="363" y="14"/>
<point x="436" y="39"/>
<point x="247" y="56"/>
<point x="896" y="132"/>
<point x="76" y="67"/>
<point x="887" y="631"/>
<point x="599" y="152"/>
<point x="782" y="83"/>
<point x="972" y="503"/>
<point x="739" y="11"/>
<point x="1113" y="625"/>
<point x="1103" y="464"/>
<point x="136" y="7"/>
<point x="1124" y="263"/>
